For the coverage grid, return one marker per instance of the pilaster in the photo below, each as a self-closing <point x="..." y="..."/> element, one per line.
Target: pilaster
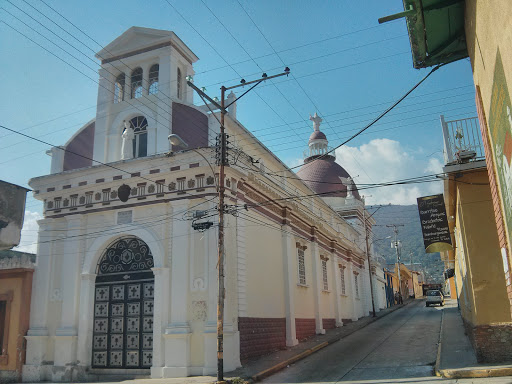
<point x="317" y="288"/>
<point x="288" y="254"/>
<point x="85" y="319"/>
<point x="161" y="319"/>
<point x="336" y="288"/>
<point x="351" y="282"/>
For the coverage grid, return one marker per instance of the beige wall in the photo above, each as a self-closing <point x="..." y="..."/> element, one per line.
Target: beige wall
<point x="265" y="285"/>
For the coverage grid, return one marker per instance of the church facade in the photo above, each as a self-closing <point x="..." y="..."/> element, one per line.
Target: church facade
<point x="128" y="287"/>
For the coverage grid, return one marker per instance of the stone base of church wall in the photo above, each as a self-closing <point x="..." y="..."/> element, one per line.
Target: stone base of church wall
<point x="56" y="374"/>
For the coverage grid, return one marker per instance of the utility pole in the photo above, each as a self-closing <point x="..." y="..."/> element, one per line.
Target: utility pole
<point x="223" y="161"/>
<point x="368" y="255"/>
<point x="395" y="229"/>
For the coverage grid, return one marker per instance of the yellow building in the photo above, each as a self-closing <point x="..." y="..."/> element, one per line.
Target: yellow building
<point x="16" y="269"/>
<point x="478" y="186"/>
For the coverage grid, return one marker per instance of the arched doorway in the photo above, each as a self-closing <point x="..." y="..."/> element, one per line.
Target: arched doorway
<point x="123" y="306"/>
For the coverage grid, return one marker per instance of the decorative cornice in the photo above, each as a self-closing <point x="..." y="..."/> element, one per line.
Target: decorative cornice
<point x="17" y="262"/>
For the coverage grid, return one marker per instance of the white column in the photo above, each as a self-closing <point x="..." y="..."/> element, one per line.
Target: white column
<point x="336" y="282"/>
<point x="66" y="334"/>
<point x="177" y="334"/>
<point x="288" y="254"/>
<point x="210" y="327"/>
<point x="145" y="79"/>
<point x="128" y="85"/>
<point x="85" y="319"/>
<point x="164" y="116"/>
<point x="37" y="335"/>
<point x="160" y="319"/>
<point x="317" y="288"/>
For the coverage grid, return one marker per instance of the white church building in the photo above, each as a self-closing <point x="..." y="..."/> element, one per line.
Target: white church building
<point x="130" y="288"/>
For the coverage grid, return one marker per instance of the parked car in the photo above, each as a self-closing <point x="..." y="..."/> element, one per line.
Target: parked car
<point x="434" y="296"/>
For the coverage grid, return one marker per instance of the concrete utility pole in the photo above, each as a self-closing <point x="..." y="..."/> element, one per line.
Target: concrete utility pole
<point x="223" y="161"/>
<point x="368" y="255"/>
<point x="395" y="229"/>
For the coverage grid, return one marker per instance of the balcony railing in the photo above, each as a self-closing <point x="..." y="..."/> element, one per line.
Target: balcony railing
<point x="462" y="140"/>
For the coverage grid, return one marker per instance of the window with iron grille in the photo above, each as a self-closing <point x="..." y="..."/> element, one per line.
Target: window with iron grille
<point x="342" y="280"/>
<point x="324" y="275"/>
<point x="301" y="266"/>
<point x="106" y="194"/>
<point x="181" y="184"/>
<point x="153" y="79"/>
<point x="356" y="285"/>
<point x="119" y="89"/>
<point x="73" y="200"/>
<point x="137" y="83"/>
<point x="57" y="202"/>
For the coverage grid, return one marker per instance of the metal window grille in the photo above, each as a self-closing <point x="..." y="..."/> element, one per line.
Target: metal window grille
<point x="153" y="79"/>
<point x="302" y="266"/>
<point x="106" y="194"/>
<point x="199" y="181"/>
<point x="137" y="83"/>
<point x="324" y="275"/>
<point x="119" y="89"/>
<point x="342" y="280"/>
<point x="88" y="198"/>
<point x="181" y="184"/>
<point x="57" y="203"/>
<point x="141" y="189"/>
<point x="73" y="200"/>
<point x="356" y="285"/>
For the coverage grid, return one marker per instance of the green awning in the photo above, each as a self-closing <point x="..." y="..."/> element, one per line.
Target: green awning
<point x="436" y="31"/>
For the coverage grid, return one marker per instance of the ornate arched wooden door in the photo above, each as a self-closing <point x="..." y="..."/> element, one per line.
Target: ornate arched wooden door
<point x="123" y="306"/>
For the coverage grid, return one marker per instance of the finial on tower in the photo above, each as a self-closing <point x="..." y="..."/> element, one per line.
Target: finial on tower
<point x="316" y="121"/>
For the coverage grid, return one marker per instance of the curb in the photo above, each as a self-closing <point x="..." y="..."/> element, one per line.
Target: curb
<point x="276" y="368"/>
<point x="464" y="373"/>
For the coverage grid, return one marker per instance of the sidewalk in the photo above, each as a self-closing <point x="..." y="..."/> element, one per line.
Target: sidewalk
<point x="456" y="357"/>
<point x="259" y="368"/>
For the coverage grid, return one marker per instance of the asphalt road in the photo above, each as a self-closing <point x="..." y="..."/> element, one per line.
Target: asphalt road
<point x="399" y="348"/>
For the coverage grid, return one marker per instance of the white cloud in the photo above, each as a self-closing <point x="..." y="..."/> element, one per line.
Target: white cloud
<point x="383" y="160"/>
<point x="28" y="241"/>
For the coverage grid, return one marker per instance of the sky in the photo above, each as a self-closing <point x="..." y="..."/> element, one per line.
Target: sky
<point x="344" y="65"/>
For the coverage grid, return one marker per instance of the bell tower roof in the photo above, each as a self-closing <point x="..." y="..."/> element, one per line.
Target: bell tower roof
<point x="137" y="40"/>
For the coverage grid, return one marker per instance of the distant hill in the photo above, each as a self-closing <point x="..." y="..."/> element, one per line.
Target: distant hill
<point x="410" y="236"/>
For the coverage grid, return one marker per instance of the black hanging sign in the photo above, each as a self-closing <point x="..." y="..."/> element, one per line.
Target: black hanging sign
<point x="434" y="224"/>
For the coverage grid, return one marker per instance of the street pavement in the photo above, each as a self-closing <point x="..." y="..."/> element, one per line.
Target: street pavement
<point x="399" y="348"/>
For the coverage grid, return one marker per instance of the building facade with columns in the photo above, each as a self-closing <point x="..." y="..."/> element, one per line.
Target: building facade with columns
<point x="124" y="285"/>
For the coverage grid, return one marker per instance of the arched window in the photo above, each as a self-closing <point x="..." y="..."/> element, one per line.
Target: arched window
<point x="140" y="143"/>
<point x="119" y="89"/>
<point x="179" y="84"/>
<point x="137" y="83"/>
<point x="153" y="79"/>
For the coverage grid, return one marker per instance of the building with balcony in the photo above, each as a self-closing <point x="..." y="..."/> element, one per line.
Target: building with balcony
<point x="476" y="256"/>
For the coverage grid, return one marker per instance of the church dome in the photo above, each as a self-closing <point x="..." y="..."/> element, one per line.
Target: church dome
<point x="320" y="172"/>
<point x="317" y="135"/>
<point x="322" y="175"/>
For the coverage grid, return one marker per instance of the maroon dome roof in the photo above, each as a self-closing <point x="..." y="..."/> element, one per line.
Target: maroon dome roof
<point x="323" y="176"/>
<point x="317" y="135"/>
